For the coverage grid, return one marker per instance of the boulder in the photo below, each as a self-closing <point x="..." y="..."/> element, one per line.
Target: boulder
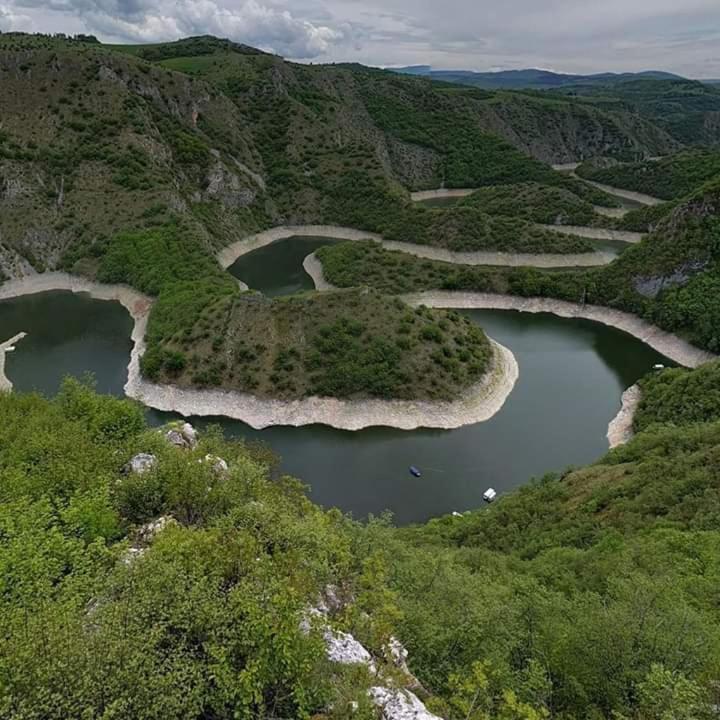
<point x="140" y="464"/>
<point x="397" y="704"/>
<point x="343" y="648"/>
<point x="183" y="436"/>
<point x="218" y="465"/>
<point x="145" y="534"/>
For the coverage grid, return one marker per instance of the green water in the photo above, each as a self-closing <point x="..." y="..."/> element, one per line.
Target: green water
<point x="66" y="335"/>
<point x="572" y="373"/>
<point x="276" y="269"/>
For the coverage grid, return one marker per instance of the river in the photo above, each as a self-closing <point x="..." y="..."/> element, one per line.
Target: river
<point x="572" y="373"/>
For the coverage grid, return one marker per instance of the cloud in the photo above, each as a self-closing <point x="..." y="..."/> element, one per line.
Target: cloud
<point x="252" y="22"/>
<point x="11" y="20"/>
<point x="570" y="35"/>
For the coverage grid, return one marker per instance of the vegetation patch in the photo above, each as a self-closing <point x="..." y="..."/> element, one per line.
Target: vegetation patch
<point x="669" y="178"/>
<point x="535" y="203"/>
<point x="352" y="344"/>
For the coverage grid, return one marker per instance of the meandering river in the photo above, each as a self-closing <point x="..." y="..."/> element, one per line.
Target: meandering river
<point x="572" y="373"/>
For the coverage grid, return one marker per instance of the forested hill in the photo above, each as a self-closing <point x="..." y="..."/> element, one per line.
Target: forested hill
<point x="97" y="139"/>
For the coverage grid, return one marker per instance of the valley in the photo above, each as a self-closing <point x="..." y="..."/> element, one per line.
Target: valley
<point x="221" y="271"/>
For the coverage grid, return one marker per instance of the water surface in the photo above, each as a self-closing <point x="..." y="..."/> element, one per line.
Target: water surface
<point x="277" y="269"/>
<point x="572" y="373"/>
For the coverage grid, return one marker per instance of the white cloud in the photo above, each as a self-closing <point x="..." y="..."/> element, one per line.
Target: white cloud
<point x="570" y="35"/>
<point x="251" y="22"/>
<point x="11" y="20"/>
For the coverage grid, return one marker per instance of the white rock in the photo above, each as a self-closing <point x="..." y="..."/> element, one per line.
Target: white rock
<point x="184" y="436"/>
<point x="140" y="463"/>
<point x="343" y="648"/>
<point x="219" y="465"/>
<point x="190" y="435"/>
<point x="397" y="653"/>
<point x="399" y="704"/>
<point x="174" y="437"/>
<point x="132" y="554"/>
<point x="145" y="534"/>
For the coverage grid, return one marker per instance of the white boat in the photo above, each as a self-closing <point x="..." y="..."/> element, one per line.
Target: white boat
<point x="489" y="495"/>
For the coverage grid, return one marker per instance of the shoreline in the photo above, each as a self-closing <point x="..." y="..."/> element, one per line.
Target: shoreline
<point x="667" y="344"/>
<point x="441" y="194"/>
<point x="631" y="195"/>
<point x="597" y="233"/>
<point x="231" y="253"/>
<point x="479" y="402"/>
<point x="620" y="428"/>
<point x="5" y="347"/>
<point x="136" y="303"/>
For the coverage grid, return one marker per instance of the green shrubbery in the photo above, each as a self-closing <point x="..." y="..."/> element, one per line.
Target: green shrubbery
<point x="679" y="397"/>
<point x="528" y="609"/>
<point x="533" y="202"/>
<point x="669" y="178"/>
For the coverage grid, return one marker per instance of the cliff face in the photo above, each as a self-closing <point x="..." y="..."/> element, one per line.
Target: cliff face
<point x="92" y="143"/>
<point x="228" y="141"/>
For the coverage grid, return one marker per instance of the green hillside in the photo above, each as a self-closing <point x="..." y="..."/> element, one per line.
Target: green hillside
<point x="685" y="109"/>
<point x="669" y="178"/>
<point x="147" y="573"/>
<point x="527" y="610"/>
<point x="670" y="278"/>
<point x="534" y="202"/>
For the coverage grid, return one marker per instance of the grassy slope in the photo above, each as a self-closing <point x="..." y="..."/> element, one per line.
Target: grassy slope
<point x="579" y="596"/>
<point x="671" y="278"/>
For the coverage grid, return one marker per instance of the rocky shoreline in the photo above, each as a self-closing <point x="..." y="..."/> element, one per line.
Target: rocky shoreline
<point x="625" y="194"/>
<point x="478" y="404"/>
<point x="441" y="194"/>
<point x="596" y="233"/>
<point x="230" y="254"/>
<point x="669" y="345"/>
<point x="6" y="347"/>
<point x="620" y="429"/>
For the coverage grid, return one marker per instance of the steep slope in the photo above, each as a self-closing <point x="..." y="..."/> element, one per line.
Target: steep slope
<point x="145" y="579"/>
<point x="670" y="178"/>
<point x="93" y="143"/>
<point x="688" y="110"/>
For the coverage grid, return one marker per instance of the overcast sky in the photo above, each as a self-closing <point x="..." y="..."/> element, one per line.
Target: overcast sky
<point x="682" y="36"/>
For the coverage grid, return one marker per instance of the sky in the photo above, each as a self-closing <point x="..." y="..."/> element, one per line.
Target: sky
<point x="577" y="36"/>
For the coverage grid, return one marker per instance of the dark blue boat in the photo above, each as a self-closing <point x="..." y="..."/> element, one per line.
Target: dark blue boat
<point x="414" y="471"/>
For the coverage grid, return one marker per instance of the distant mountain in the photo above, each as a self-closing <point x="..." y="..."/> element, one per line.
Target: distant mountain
<point x="531" y="79"/>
